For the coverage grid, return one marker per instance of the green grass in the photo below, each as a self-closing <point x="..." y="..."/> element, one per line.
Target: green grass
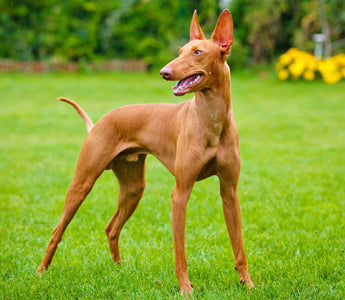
<point x="292" y="193"/>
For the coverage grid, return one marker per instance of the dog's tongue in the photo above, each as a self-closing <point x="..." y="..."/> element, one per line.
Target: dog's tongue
<point x="182" y="87"/>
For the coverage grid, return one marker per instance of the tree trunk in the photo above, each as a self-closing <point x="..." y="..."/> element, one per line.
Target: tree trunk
<point x="325" y="29"/>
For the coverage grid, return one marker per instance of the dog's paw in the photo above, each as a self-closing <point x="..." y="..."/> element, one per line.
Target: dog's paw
<point x="245" y="279"/>
<point x="40" y="270"/>
<point x="186" y="288"/>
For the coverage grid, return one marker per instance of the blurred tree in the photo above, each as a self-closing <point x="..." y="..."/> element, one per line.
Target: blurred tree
<point x="335" y="14"/>
<point x="153" y="30"/>
<point x="268" y="28"/>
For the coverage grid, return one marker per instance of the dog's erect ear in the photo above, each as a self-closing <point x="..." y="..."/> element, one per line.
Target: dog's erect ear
<point x="195" y="29"/>
<point x="222" y="34"/>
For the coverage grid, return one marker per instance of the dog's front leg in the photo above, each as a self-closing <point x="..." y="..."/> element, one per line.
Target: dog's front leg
<point x="232" y="214"/>
<point x="180" y="198"/>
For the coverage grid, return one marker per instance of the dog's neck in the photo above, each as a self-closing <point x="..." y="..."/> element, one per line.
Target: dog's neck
<point x="214" y="104"/>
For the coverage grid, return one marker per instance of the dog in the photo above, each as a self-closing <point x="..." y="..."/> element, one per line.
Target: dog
<point x="194" y="139"/>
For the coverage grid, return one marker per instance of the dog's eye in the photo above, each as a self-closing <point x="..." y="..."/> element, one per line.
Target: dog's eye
<point x="197" y="52"/>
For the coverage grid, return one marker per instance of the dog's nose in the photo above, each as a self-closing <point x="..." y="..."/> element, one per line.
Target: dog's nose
<point x="166" y="73"/>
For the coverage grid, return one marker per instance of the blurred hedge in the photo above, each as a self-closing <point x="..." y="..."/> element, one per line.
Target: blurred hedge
<point x="77" y="30"/>
<point x="84" y="30"/>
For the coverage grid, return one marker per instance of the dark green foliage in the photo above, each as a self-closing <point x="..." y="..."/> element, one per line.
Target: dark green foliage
<point x="80" y="30"/>
<point x="87" y="30"/>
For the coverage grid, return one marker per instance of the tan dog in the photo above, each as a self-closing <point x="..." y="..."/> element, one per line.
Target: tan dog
<point x="194" y="139"/>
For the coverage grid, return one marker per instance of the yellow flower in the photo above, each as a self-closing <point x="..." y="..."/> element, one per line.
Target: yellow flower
<point x="308" y="75"/>
<point x="327" y="66"/>
<point x="283" y="74"/>
<point x="295" y="64"/>
<point x="331" y="77"/>
<point x="342" y="71"/>
<point x="340" y="59"/>
<point x="293" y="52"/>
<point x="311" y="63"/>
<point x="285" y="59"/>
<point x="296" y="69"/>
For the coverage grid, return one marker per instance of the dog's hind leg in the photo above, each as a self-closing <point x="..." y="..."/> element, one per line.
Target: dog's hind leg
<point x="76" y="194"/>
<point x="131" y="177"/>
<point x="92" y="162"/>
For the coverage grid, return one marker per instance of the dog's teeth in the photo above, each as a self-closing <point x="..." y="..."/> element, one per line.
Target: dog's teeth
<point x="196" y="78"/>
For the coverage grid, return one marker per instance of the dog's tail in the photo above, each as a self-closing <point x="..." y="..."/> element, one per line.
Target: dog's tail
<point x="81" y="112"/>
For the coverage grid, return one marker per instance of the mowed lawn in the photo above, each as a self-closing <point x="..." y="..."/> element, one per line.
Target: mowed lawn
<point x="291" y="189"/>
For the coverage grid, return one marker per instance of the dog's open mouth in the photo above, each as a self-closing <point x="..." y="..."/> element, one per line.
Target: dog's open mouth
<point x="183" y="86"/>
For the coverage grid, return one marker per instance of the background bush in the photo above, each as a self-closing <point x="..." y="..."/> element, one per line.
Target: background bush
<point x="77" y="30"/>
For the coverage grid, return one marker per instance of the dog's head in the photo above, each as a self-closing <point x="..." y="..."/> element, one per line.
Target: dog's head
<point x="201" y="60"/>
